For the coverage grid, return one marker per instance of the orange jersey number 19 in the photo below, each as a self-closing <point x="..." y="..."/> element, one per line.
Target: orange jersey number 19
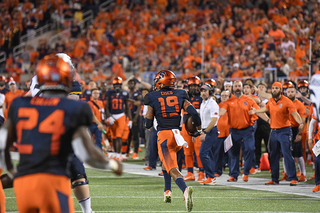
<point x="53" y="124"/>
<point x="171" y="101"/>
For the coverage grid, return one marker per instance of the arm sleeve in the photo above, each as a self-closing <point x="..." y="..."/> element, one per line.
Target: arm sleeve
<point x="195" y="115"/>
<point x="302" y="111"/>
<point x="146" y="99"/>
<point x="311" y="127"/>
<point x="214" y="110"/>
<point x="224" y="105"/>
<point x="145" y="110"/>
<point x="291" y="107"/>
<point x="268" y="105"/>
<point x="255" y="105"/>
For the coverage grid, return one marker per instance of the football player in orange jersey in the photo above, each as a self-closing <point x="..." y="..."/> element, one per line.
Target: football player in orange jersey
<point x="195" y="99"/>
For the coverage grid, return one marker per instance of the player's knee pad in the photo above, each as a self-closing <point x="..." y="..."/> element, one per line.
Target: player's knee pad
<point x="76" y="183"/>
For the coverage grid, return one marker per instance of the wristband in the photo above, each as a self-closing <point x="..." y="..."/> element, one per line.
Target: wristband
<point x="205" y="132"/>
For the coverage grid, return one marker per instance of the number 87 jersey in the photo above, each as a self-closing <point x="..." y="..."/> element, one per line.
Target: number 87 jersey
<point x="167" y="105"/>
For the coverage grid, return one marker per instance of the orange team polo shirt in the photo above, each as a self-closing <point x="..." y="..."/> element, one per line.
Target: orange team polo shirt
<point x="223" y="125"/>
<point x="279" y="112"/>
<point x="254" y="117"/>
<point x="301" y="110"/>
<point x="238" y="109"/>
<point x="9" y="97"/>
<point x="95" y="110"/>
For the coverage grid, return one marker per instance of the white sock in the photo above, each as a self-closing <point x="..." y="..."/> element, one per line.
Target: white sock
<point x="309" y="157"/>
<point x="117" y="155"/>
<point x="284" y="166"/>
<point x="86" y="205"/>
<point x="301" y="165"/>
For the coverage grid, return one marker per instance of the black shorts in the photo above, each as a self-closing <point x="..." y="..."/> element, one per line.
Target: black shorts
<point x="76" y="169"/>
<point x="296" y="146"/>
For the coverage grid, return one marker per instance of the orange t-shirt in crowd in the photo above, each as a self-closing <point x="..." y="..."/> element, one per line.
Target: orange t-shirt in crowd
<point x="238" y="111"/>
<point x="301" y="110"/>
<point x="223" y="125"/>
<point x="117" y="69"/>
<point x="97" y="112"/>
<point x="276" y="34"/>
<point x="9" y="97"/>
<point x="238" y="74"/>
<point x="79" y="49"/>
<point x="257" y="74"/>
<point x="187" y="62"/>
<point x="15" y="73"/>
<point x="299" y="54"/>
<point x="280" y="111"/>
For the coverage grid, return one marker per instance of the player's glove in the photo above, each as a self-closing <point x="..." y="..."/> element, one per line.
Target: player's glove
<point x="197" y="133"/>
<point x="111" y="120"/>
<point x="130" y="124"/>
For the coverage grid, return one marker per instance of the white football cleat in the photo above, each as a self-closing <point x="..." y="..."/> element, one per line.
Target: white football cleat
<point x="167" y="196"/>
<point x="188" y="193"/>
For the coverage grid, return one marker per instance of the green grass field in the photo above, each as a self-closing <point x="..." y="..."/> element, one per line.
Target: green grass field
<point x="139" y="193"/>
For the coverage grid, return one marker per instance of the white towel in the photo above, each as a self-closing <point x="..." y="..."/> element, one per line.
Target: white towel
<point x="179" y="139"/>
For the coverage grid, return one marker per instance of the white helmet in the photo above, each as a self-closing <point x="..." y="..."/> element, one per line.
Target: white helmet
<point x="66" y="58"/>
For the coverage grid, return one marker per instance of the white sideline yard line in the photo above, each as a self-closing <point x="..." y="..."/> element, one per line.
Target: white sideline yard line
<point x="302" y="189"/>
<point x="192" y="211"/>
<point x="180" y="197"/>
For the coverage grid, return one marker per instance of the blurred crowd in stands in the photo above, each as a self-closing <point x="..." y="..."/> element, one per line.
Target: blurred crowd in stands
<point x="240" y="38"/>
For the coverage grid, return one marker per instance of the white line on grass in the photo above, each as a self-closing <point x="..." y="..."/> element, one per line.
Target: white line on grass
<point x="204" y="211"/>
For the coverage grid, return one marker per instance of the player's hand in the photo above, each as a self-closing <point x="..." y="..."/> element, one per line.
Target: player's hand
<point x="252" y="111"/>
<point x="134" y="120"/>
<point x="116" y="166"/>
<point x="130" y="124"/>
<point x="310" y="143"/>
<point x="193" y="139"/>
<point x="111" y="120"/>
<point x="298" y="94"/>
<point x="202" y="137"/>
<point x="298" y="138"/>
<point x="100" y="126"/>
<point x="7" y="181"/>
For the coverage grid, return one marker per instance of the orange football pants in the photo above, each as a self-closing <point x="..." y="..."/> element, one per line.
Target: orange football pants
<point x="167" y="149"/>
<point x="192" y="147"/>
<point x="117" y="129"/>
<point x="43" y="192"/>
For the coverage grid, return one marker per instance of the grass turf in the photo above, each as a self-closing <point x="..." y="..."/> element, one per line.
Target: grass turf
<point x="138" y="193"/>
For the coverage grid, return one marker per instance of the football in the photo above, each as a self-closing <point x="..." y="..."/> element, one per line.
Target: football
<point x="189" y="125"/>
